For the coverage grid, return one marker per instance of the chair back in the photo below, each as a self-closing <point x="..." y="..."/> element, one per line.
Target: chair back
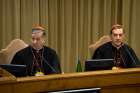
<point x="104" y="39"/>
<point x="7" y="54"/>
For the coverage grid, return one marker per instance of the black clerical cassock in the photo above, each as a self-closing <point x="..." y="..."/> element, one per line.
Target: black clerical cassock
<point x="123" y="57"/>
<point x="44" y="60"/>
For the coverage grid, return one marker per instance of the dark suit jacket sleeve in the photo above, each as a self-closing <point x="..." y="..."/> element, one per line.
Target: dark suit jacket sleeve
<point x="16" y="59"/>
<point x="134" y="58"/>
<point x="56" y="63"/>
<point x="97" y="54"/>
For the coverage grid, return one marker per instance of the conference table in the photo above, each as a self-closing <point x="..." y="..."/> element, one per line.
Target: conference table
<point x="110" y="81"/>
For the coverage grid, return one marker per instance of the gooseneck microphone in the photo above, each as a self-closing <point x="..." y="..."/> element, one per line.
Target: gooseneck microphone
<point x="52" y="68"/>
<point x="130" y="55"/>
